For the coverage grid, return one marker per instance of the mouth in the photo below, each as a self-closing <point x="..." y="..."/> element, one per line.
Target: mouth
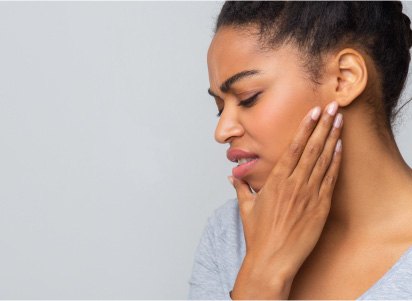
<point x="246" y="161"/>
<point x="244" y="167"/>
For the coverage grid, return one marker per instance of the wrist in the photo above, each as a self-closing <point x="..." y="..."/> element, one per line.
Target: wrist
<point x="277" y="268"/>
<point x="261" y="280"/>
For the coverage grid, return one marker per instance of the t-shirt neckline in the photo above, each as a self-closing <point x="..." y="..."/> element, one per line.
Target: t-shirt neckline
<point x="391" y="270"/>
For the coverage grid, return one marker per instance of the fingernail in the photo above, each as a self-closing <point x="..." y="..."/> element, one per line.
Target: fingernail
<point x="338" y="121"/>
<point x="315" y="113"/>
<point x="332" y="108"/>
<point x="230" y="178"/>
<point x="338" y="146"/>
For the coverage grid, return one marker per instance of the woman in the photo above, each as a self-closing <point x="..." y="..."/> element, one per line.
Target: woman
<point x="315" y="217"/>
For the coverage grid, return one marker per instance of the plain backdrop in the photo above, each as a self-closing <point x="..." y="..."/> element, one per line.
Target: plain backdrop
<point x="109" y="167"/>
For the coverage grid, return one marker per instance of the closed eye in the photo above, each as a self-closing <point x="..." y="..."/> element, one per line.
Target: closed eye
<point x="244" y="103"/>
<point x="250" y="101"/>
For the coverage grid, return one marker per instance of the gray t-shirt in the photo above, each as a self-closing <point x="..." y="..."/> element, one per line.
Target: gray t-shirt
<point x="221" y="250"/>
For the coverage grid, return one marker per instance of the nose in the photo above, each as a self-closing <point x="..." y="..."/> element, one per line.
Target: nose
<point x="228" y="126"/>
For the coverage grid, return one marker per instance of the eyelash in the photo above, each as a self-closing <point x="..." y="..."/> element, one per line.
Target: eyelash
<point x="245" y="103"/>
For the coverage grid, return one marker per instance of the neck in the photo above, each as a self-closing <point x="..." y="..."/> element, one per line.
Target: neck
<point x="373" y="192"/>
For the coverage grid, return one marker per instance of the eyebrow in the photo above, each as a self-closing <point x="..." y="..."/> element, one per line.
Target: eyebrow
<point x="226" y="86"/>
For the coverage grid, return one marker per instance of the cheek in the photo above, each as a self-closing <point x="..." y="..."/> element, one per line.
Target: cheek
<point x="276" y="123"/>
<point x="274" y="126"/>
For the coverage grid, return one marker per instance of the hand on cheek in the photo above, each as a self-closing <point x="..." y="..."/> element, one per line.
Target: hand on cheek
<point x="283" y="221"/>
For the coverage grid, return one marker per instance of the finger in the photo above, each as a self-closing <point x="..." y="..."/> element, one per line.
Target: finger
<point x="324" y="160"/>
<point x="244" y="194"/>
<point x="290" y="157"/>
<point x="316" y="143"/>
<point x="329" y="181"/>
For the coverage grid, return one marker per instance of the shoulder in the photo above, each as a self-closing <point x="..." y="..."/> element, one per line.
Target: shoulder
<point x="225" y="217"/>
<point x="222" y="233"/>
<point x="225" y="231"/>
<point x="229" y="207"/>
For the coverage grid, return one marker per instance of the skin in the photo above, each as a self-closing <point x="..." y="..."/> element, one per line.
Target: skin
<point x="368" y="198"/>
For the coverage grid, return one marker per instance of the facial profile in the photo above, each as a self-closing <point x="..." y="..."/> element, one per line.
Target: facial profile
<point x="284" y="95"/>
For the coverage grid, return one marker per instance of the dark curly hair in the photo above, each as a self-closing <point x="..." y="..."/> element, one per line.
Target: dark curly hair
<point x="379" y="28"/>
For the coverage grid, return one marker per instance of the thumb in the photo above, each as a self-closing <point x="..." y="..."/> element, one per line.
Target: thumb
<point x="243" y="191"/>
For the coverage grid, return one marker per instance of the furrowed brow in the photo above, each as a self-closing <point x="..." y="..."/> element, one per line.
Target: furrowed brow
<point x="227" y="85"/>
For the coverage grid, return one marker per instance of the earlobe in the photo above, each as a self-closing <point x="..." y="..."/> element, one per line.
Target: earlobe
<point x="352" y="76"/>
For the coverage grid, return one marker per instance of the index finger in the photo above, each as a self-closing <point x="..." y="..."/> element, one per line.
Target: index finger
<point x="291" y="156"/>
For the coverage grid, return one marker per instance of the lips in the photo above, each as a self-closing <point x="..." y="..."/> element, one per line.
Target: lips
<point x="242" y="170"/>
<point x="235" y="154"/>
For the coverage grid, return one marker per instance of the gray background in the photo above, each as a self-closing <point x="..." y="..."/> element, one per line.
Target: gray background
<point x="108" y="165"/>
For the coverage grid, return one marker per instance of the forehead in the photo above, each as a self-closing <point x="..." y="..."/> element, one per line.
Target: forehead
<point x="229" y="48"/>
<point x="234" y="50"/>
<point x="232" y="39"/>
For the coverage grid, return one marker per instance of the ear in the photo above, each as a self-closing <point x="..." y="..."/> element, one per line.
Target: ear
<point x="351" y="76"/>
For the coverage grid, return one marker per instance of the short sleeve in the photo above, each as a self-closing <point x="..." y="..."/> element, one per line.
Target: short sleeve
<point x="205" y="281"/>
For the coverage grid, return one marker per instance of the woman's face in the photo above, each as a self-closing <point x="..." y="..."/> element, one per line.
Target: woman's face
<point x="285" y="96"/>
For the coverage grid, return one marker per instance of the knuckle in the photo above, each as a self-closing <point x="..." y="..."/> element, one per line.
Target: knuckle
<point x="308" y="191"/>
<point x="329" y="179"/>
<point x="313" y="148"/>
<point x="308" y="126"/>
<point x="303" y="204"/>
<point x="323" y="161"/>
<point x="295" y="185"/>
<point x="305" y="198"/>
<point x="295" y="149"/>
